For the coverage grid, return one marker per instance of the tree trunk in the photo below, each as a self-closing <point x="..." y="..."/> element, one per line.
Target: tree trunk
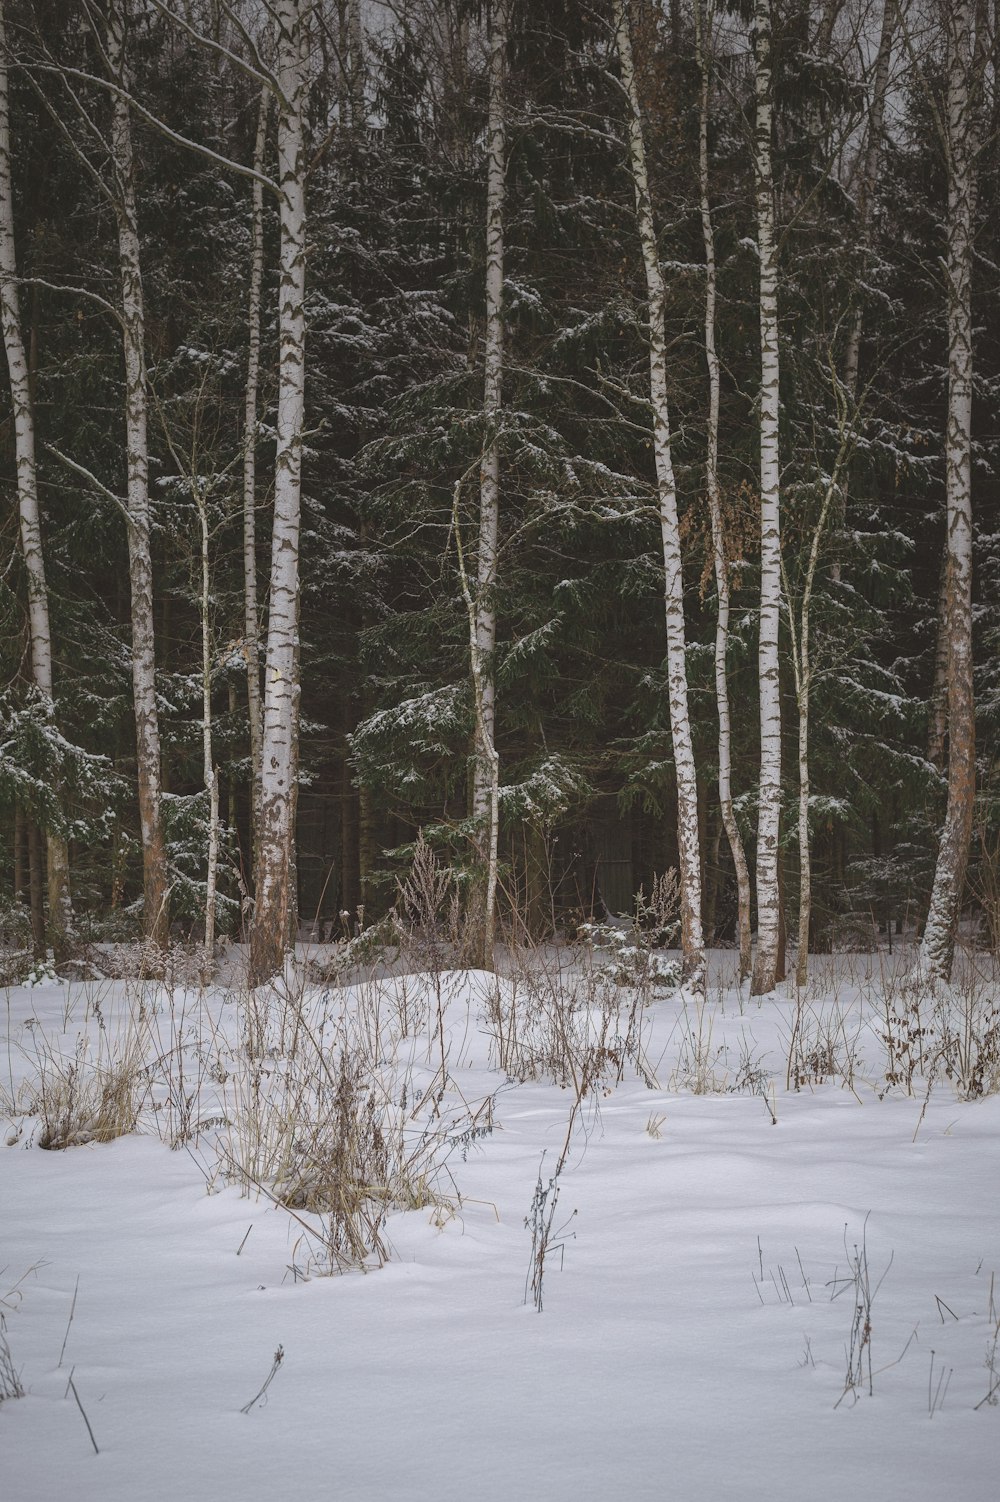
<point x="937" y="733"/>
<point x="270" y="934"/>
<point x="703" y="42"/>
<point x="869" y="178"/>
<point x="60" y="904"/>
<point x="827" y="21"/>
<point x="356" y="67"/>
<point x="766" y="961"/>
<point x="486" y="767"/>
<point x="35" y="888"/>
<point x="799" y="631"/>
<point x="20" y="865"/>
<point x="937" y="950"/>
<point x="350" y="887"/>
<point x="210" y="772"/>
<point x="865" y="200"/>
<point x="688" y="842"/>
<point x="367" y="855"/>
<point x="147" y="729"/>
<point x="251" y="622"/>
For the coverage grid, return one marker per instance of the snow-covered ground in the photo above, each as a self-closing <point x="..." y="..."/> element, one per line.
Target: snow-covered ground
<point x="723" y="1248"/>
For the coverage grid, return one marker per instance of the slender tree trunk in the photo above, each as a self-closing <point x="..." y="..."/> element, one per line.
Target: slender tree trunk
<point x="60" y="904"/>
<point x="251" y="621"/>
<point x="937" y="950"/>
<point x="210" y="772"/>
<point x="803" y="670"/>
<point x="937" y="730"/>
<point x="865" y="200"/>
<point x="827" y="21"/>
<point x="275" y="904"/>
<point x="486" y="766"/>
<point x="367" y="855"/>
<point x="356" y="67"/>
<point x="232" y="783"/>
<point x="835" y="496"/>
<point x="703" y="42"/>
<point x="147" y="728"/>
<point x="20" y="833"/>
<point x="350" y="888"/>
<point x="35" y="889"/>
<point x="767" y="959"/>
<point x="869" y="179"/>
<point x="688" y="841"/>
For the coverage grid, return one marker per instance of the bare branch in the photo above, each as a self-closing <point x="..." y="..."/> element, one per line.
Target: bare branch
<point x="111" y="87"/>
<point x="261" y="74"/>
<point x="95" y="297"/>
<point x="91" y="478"/>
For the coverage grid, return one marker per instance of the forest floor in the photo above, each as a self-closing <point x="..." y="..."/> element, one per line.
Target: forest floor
<point x="772" y="1268"/>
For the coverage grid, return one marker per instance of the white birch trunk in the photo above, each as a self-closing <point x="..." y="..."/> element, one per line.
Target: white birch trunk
<point x="703" y="42"/>
<point x="688" y="840"/>
<point x="275" y="905"/>
<point x="937" y="950"/>
<point x="60" y="903"/>
<point x="937" y="736"/>
<point x="147" y="729"/>
<point x="767" y="961"/>
<point x="486" y="765"/>
<point x="209" y="770"/>
<point x="251" y="622"/>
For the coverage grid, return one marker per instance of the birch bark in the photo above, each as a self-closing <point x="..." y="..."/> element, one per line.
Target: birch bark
<point x="251" y="622"/>
<point x="703" y="46"/>
<point x="60" y="904"/>
<point x="937" y="950"/>
<point x="937" y="737"/>
<point x="210" y="771"/>
<point x="688" y="841"/>
<point x="275" y="906"/>
<point x="486" y="766"/>
<point x="147" y="729"/>
<point x="767" y="961"/>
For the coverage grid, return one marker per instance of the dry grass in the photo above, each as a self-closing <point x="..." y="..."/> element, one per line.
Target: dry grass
<point x="95" y="1089"/>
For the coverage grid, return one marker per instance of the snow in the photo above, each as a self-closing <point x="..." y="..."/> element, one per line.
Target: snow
<point x="697" y="1321"/>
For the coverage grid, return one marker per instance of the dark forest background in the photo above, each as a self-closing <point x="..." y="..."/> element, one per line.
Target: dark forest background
<point x="394" y="415"/>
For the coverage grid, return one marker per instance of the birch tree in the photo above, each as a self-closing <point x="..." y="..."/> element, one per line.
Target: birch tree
<point x="251" y="621"/>
<point x="275" y="914"/>
<point x="704" y="25"/>
<point x="803" y="665"/>
<point x="937" y="950"/>
<point x="486" y="764"/>
<point x="688" y="839"/>
<point x="768" y="959"/>
<point x="133" y="323"/>
<point x="60" y="904"/>
<point x="118" y="187"/>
